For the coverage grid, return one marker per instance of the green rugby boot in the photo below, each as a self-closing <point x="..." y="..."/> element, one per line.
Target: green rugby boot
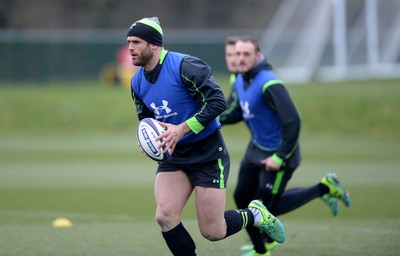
<point x="335" y="189"/>
<point x="254" y="253"/>
<point x="331" y="202"/>
<point x="267" y="223"/>
<point x="270" y="246"/>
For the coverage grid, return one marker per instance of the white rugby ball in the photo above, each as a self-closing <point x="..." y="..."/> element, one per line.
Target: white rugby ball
<point x="147" y="131"/>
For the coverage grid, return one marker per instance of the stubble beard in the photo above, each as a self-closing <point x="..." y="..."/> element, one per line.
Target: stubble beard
<point x="143" y="59"/>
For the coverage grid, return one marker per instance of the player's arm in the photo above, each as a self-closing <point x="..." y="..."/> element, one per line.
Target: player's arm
<point x="141" y="109"/>
<point x="197" y="77"/>
<point x="279" y="99"/>
<point x="233" y="113"/>
<point x="232" y="95"/>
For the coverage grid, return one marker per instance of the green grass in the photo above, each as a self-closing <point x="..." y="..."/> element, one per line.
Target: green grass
<point x="70" y="151"/>
<point x="366" y="108"/>
<point x="359" y="108"/>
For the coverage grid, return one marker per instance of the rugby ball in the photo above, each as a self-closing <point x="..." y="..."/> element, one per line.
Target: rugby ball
<point x="147" y="131"/>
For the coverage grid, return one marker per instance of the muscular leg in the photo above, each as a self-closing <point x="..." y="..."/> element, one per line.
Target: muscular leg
<point x="172" y="190"/>
<point x="280" y="201"/>
<point x="210" y="207"/>
<point x="294" y="198"/>
<point x="214" y="222"/>
<point x="248" y="184"/>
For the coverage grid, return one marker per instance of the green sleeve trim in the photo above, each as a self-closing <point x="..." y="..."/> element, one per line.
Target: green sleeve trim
<point x="192" y="122"/>
<point x="291" y="152"/>
<point x="232" y="78"/>
<point x="277" y="159"/>
<point x="194" y="125"/>
<point x="269" y="83"/>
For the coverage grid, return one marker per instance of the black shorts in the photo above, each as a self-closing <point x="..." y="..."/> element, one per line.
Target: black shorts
<point x="209" y="148"/>
<point x="212" y="174"/>
<point x="270" y="183"/>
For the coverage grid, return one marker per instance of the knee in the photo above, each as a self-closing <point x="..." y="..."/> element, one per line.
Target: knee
<point x="212" y="235"/>
<point x="166" y="220"/>
<point x="161" y="218"/>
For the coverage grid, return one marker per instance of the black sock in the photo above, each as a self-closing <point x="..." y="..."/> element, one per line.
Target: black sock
<point x="294" y="198"/>
<point x="323" y="188"/>
<point x="236" y="220"/>
<point x="179" y="241"/>
<point x="257" y="239"/>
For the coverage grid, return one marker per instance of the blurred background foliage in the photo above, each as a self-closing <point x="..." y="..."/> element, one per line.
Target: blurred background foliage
<point x="119" y="13"/>
<point x="45" y="40"/>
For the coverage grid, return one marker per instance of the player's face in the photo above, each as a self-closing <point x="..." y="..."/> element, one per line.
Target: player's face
<point x="140" y="51"/>
<point x="230" y="58"/>
<point x="246" y="56"/>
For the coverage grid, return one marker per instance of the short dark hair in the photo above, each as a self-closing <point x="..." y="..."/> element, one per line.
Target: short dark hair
<point x="251" y="39"/>
<point x="231" y="40"/>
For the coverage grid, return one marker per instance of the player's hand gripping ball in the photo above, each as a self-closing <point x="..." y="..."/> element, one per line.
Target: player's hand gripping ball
<point x="147" y="131"/>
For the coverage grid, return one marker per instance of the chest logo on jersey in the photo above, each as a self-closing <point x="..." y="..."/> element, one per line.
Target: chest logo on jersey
<point x="246" y="109"/>
<point x="162" y="111"/>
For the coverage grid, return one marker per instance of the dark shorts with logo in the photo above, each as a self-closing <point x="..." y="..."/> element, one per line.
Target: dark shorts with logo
<point x="213" y="165"/>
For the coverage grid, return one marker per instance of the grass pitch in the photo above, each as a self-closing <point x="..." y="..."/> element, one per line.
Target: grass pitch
<point x="71" y="152"/>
